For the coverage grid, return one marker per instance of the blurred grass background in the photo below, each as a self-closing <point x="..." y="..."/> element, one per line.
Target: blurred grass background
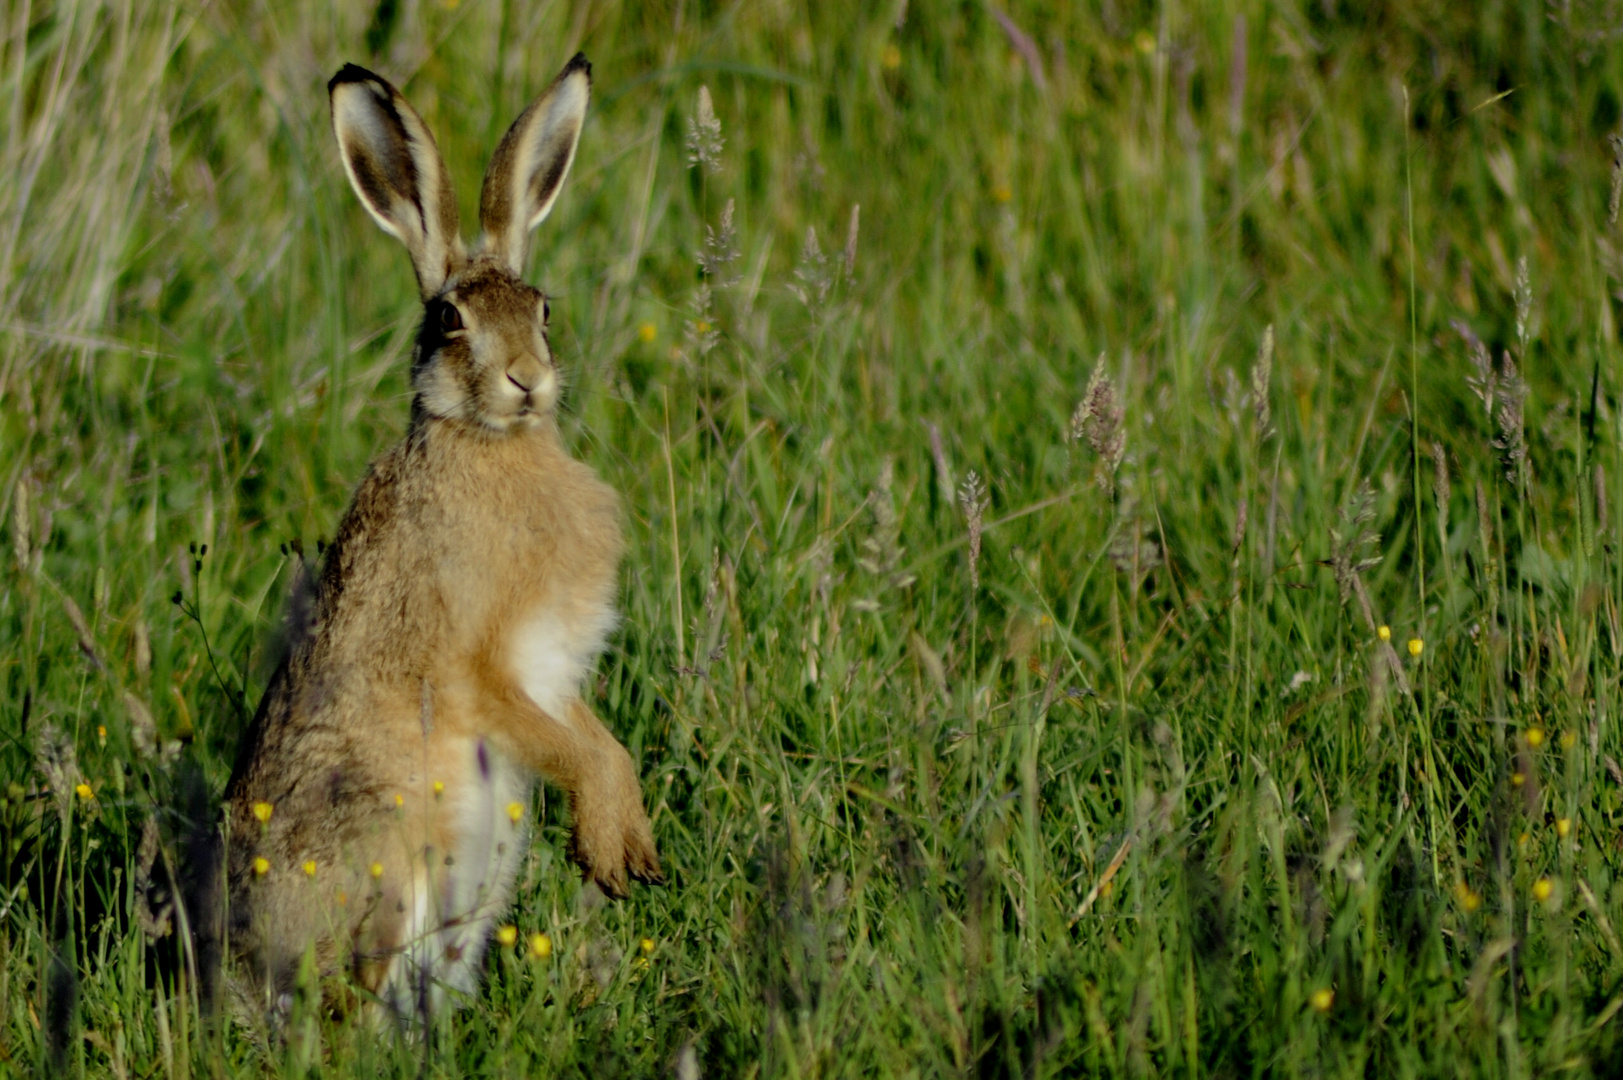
<point x="984" y="733"/>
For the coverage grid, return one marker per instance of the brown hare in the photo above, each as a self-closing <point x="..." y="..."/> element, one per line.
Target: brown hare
<point x="377" y="810"/>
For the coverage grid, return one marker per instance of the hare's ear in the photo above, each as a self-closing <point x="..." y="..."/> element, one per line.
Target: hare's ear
<point x="396" y="169"/>
<point x="529" y="166"/>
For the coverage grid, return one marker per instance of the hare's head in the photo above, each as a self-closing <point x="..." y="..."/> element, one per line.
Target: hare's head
<point x="482" y="353"/>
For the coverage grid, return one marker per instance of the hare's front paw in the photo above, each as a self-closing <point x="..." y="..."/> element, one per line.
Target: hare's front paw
<point x="612" y="835"/>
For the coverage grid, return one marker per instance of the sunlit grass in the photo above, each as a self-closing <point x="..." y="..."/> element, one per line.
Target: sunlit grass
<point x="1049" y="645"/>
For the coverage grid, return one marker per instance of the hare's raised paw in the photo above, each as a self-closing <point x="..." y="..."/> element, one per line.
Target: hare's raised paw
<point x="612" y="835"/>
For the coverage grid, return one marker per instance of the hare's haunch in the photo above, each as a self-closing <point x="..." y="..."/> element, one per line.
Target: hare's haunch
<point x="378" y="809"/>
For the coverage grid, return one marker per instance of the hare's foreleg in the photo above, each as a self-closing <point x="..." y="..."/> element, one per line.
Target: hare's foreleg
<point x="620" y="819"/>
<point x="575" y="751"/>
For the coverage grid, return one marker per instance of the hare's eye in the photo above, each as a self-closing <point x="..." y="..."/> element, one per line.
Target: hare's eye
<point x="450" y="318"/>
<point x="546" y="313"/>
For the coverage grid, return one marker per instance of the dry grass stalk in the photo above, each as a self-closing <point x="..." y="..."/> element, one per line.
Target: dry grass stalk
<point x="972" y="497"/>
<point x="1261" y="375"/>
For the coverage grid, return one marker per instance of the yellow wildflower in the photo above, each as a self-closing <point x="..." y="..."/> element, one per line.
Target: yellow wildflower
<point x="1322" y="999"/>
<point x="262" y="811"/>
<point x="540" y="946"/>
<point x="377" y="870"/>
<point x="309" y="868"/>
<point x="1535" y="737"/>
<point x="1416" y="646"/>
<point x="515" y="811"/>
<point x="1542" y="888"/>
<point x="1563" y="827"/>
<point x="261" y="865"/>
<point x="1384" y="633"/>
<point x="507" y="934"/>
<point x="647" y="332"/>
<point x="84" y="792"/>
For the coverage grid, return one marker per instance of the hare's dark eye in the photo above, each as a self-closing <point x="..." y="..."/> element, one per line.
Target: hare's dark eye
<point x="546" y="313"/>
<point x="449" y="318"/>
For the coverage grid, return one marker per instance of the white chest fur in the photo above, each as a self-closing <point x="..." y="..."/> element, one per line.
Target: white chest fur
<point x="551" y="654"/>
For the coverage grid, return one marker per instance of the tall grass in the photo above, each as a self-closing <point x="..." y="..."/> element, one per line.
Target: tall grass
<point x="1268" y="722"/>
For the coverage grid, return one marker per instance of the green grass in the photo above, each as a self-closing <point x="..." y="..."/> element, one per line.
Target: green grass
<point x="1123" y="807"/>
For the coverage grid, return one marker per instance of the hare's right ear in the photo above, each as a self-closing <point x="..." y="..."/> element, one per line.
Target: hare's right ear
<point x="395" y="168"/>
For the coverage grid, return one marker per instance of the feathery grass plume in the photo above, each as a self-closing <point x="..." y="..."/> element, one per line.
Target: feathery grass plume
<point x="1233" y="396"/>
<point x="1484" y="381"/>
<point x="1524" y="303"/>
<point x="972" y="497"/>
<point x="81" y="631"/>
<point x="720" y="249"/>
<point x="1440" y="486"/>
<point x="704" y="141"/>
<point x="812" y="276"/>
<point x="1352" y="542"/>
<point x="59" y="762"/>
<point x="849" y="264"/>
<point x="1261" y="373"/>
<point x="699" y="334"/>
<point x="882" y="550"/>
<point x="1512" y="440"/>
<point x="20" y="524"/>
<point x="1615" y="200"/>
<point x="1098" y="421"/>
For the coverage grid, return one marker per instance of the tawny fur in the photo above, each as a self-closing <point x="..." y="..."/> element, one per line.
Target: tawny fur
<point x="465" y="597"/>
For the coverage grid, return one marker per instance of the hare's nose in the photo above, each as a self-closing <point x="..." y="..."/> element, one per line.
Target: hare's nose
<point x="526" y="373"/>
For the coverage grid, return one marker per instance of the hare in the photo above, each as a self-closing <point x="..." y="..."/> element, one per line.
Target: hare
<point x="377" y="808"/>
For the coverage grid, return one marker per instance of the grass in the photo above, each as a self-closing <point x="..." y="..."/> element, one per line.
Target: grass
<point x="1122" y="781"/>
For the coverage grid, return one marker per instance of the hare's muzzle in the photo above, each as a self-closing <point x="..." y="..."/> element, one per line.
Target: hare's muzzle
<point x="528" y="374"/>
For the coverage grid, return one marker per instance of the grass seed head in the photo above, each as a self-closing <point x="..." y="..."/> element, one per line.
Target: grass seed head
<point x="720" y="249"/>
<point x="972" y="497"/>
<point x="1483" y="380"/>
<point x="1524" y="303"/>
<point x="1098" y="421"/>
<point x="1512" y="440"/>
<point x="704" y="142"/>
<point x="812" y="276"/>
<point x="1261" y="376"/>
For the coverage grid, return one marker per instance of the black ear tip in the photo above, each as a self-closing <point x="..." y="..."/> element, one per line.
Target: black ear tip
<point x="350" y="73"/>
<point x="579" y="63"/>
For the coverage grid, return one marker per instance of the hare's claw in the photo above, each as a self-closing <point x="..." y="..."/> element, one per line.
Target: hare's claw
<point x="612" y="835"/>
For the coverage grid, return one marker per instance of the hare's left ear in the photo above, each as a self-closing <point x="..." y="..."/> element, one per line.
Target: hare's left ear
<point x="529" y="166"/>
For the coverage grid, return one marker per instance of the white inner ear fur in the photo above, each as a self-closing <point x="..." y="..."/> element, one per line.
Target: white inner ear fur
<point x="360" y="121"/>
<point x="544" y="150"/>
<point x="405" y="197"/>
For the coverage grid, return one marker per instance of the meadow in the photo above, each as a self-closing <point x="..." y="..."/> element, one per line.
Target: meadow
<point x="1123" y="578"/>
